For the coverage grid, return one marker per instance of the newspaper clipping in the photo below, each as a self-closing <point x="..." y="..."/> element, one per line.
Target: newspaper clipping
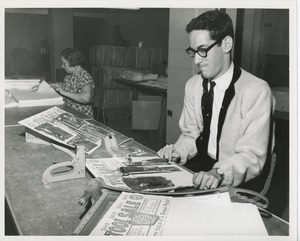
<point x="64" y="127"/>
<point x="135" y="215"/>
<point x="116" y="173"/>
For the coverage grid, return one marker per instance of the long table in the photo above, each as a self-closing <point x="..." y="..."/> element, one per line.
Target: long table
<point x="54" y="210"/>
<point x="39" y="210"/>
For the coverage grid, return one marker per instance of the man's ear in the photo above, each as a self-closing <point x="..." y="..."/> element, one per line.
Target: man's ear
<point x="227" y="44"/>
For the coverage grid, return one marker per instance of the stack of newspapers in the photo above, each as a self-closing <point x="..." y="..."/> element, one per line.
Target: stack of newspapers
<point x="38" y="95"/>
<point x="21" y="84"/>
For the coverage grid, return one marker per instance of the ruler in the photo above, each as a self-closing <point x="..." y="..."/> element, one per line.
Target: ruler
<point x="96" y="212"/>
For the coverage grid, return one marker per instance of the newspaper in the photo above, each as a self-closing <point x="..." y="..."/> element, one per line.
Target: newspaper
<point x="168" y="176"/>
<point x="149" y="215"/>
<point x="66" y="128"/>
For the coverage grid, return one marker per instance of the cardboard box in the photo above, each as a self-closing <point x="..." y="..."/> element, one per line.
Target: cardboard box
<point x="146" y="113"/>
<point x="281" y="95"/>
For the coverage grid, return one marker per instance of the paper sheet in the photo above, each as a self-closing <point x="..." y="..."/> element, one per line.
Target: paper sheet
<point x="193" y="217"/>
<point x="44" y="87"/>
<point x="223" y="197"/>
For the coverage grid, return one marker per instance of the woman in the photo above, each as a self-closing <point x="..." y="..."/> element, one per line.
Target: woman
<point x="78" y="86"/>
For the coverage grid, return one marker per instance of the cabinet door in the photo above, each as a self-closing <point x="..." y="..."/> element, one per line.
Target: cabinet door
<point x="265" y="50"/>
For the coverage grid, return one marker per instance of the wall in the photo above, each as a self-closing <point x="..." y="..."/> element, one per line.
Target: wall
<point x="180" y="68"/>
<point x="88" y="32"/>
<point x="150" y="26"/>
<point x="25" y="27"/>
<point x="25" y="37"/>
<point x="61" y="37"/>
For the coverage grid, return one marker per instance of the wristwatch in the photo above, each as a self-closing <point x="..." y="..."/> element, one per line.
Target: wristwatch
<point x="220" y="173"/>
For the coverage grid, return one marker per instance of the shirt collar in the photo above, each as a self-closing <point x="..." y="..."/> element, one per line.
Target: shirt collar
<point x="224" y="80"/>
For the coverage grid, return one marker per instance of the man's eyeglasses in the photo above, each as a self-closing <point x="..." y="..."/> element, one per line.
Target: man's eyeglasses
<point x="201" y="51"/>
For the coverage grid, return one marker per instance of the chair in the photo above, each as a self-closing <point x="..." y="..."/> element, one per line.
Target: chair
<point x="246" y="192"/>
<point x="108" y="63"/>
<point x="269" y="178"/>
<point x="110" y="95"/>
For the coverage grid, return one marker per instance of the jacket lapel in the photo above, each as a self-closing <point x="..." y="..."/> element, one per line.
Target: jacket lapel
<point x="229" y="94"/>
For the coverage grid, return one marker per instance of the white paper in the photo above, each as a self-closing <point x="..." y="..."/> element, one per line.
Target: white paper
<point x="193" y="217"/>
<point x="44" y="87"/>
<point x="223" y="197"/>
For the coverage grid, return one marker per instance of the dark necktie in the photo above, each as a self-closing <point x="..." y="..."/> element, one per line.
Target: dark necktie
<point x="207" y="102"/>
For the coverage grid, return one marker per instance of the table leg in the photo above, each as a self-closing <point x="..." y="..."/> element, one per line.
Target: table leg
<point x="162" y="123"/>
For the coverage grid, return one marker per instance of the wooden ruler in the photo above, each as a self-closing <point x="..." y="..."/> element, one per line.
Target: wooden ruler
<point x="96" y="212"/>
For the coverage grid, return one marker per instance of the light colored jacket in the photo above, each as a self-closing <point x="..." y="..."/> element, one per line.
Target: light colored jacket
<point x="243" y="145"/>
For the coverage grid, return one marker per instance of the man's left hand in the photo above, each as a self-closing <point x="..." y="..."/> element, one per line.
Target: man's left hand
<point x="206" y="180"/>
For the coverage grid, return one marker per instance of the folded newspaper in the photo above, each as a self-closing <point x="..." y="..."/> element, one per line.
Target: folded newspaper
<point x="116" y="173"/>
<point x="135" y="214"/>
<point x="65" y="128"/>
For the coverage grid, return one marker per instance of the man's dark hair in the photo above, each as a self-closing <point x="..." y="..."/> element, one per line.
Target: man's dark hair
<point x="74" y="57"/>
<point x="218" y="23"/>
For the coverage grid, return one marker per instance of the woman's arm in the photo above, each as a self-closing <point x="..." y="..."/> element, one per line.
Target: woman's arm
<point x="83" y="97"/>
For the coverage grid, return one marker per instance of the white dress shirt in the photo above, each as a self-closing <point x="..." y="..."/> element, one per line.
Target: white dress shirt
<point x="222" y="83"/>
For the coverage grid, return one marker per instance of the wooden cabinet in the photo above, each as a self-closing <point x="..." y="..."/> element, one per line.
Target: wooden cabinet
<point x="265" y="44"/>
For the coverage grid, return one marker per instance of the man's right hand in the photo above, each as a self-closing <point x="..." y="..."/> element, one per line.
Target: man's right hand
<point x="169" y="153"/>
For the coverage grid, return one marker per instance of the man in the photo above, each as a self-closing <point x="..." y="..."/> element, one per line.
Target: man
<point x="228" y="142"/>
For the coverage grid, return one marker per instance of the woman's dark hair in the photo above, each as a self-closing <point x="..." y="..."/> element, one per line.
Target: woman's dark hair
<point x="218" y="23"/>
<point x="74" y="57"/>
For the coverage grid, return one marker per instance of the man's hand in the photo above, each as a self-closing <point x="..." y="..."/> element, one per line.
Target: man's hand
<point x="169" y="153"/>
<point x="206" y="180"/>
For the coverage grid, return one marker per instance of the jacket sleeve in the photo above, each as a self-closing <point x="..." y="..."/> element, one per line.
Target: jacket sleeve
<point x="189" y="122"/>
<point x="251" y="148"/>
